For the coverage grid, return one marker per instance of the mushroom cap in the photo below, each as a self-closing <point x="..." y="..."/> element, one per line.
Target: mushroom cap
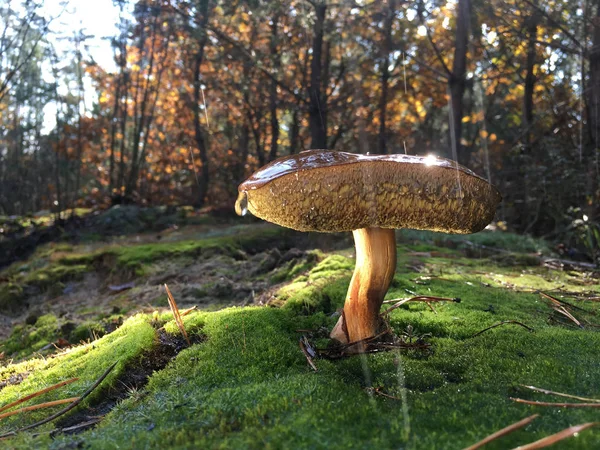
<point x="329" y="191"/>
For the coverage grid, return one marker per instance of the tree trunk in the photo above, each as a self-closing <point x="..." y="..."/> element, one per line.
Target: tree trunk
<point x="594" y="98"/>
<point x="199" y="136"/>
<point x="390" y="12"/>
<point x="294" y="132"/>
<point x="317" y="107"/>
<point x="457" y="79"/>
<point x="531" y="25"/>
<point x="275" y="56"/>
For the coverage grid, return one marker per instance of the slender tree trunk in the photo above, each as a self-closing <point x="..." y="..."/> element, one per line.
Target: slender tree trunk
<point x="203" y="182"/>
<point x="294" y="132"/>
<point x="113" y="132"/>
<point x="125" y="115"/>
<point x="317" y="106"/>
<point x="531" y="26"/>
<point x="457" y="80"/>
<point x="275" y="57"/>
<point x="390" y="12"/>
<point x="593" y="176"/>
<point x="594" y="98"/>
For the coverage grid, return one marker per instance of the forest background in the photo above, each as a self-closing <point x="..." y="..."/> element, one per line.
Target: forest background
<point x="200" y="94"/>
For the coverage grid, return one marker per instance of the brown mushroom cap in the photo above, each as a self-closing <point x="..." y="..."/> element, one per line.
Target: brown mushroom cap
<point x="328" y="191"/>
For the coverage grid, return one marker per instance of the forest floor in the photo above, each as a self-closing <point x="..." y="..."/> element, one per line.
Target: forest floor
<point x="94" y="296"/>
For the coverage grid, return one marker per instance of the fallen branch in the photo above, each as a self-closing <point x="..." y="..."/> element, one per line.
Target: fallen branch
<point x="176" y="315"/>
<point x="504" y="322"/>
<point x="560" y="394"/>
<point x="65" y="410"/>
<point x="503" y="432"/>
<point x="559" y="405"/>
<point x="38" y="393"/>
<point x="38" y="406"/>
<point x="554" y="438"/>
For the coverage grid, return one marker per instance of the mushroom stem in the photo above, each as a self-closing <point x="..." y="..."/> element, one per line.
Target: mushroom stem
<point x="373" y="273"/>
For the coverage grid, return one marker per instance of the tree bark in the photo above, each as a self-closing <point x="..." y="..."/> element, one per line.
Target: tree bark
<point x="317" y="107"/>
<point x="199" y="135"/>
<point x="275" y="56"/>
<point x="594" y="98"/>
<point x="390" y="12"/>
<point x="457" y="81"/>
<point x="531" y="26"/>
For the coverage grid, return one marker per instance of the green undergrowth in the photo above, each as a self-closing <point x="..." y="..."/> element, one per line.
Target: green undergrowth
<point x="248" y="385"/>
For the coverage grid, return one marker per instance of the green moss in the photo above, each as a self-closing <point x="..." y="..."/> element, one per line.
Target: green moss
<point x="248" y="385"/>
<point x="323" y="289"/>
<point x="11" y="297"/>
<point x="26" y="339"/>
<point x="52" y="274"/>
<point x="494" y="240"/>
<point x="86" y="362"/>
<point x="89" y="330"/>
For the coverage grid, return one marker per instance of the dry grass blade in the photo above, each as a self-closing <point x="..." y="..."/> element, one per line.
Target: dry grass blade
<point x="503" y="432"/>
<point x="554" y="438"/>
<point x="421" y="298"/>
<point x="561" y="307"/>
<point x="38" y="406"/>
<point x="560" y="302"/>
<point x="557" y="404"/>
<point x="64" y="410"/>
<point x="308" y="357"/>
<point x="176" y="315"/>
<point x="504" y="322"/>
<point x="38" y="393"/>
<point x="189" y="310"/>
<point x="562" y="310"/>
<point x="560" y="394"/>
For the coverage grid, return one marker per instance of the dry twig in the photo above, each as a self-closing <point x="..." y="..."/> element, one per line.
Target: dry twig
<point x="176" y="315"/>
<point x="306" y="354"/>
<point x="421" y="298"/>
<point x="560" y="394"/>
<point x="504" y="322"/>
<point x="559" y="405"/>
<point x="503" y="432"/>
<point x="554" y="438"/>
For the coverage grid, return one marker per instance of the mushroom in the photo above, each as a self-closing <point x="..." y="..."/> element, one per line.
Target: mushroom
<point x="370" y="195"/>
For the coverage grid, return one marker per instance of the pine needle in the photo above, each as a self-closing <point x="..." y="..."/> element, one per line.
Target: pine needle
<point x="38" y="393"/>
<point x="503" y="432"/>
<point x="64" y="410"/>
<point x="559" y="405"/>
<point x="176" y="315"/>
<point x="554" y="438"/>
<point x="560" y="394"/>
<point x="39" y="406"/>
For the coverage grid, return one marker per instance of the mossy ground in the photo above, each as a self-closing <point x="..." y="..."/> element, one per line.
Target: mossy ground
<point x="248" y="385"/>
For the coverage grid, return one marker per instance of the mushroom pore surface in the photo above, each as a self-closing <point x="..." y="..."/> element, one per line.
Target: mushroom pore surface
<point x="328" y="191"/>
